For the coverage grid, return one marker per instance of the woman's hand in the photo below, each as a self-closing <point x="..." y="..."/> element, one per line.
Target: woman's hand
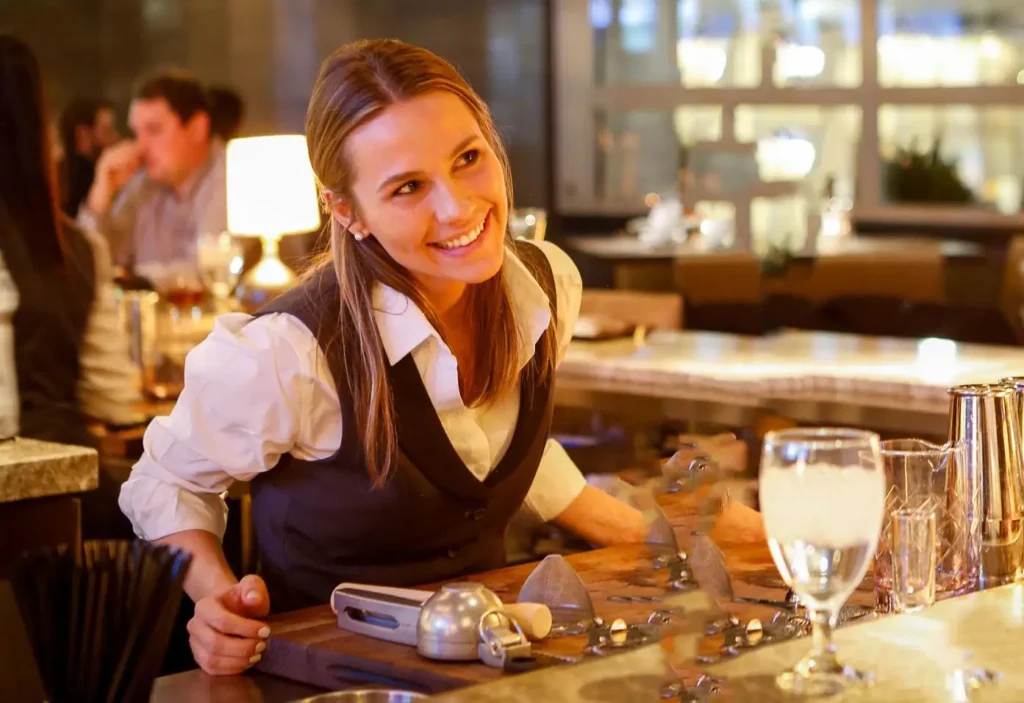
<point x="724" y="449"/>
<point x="739" y="524"/>
<point x="227" y="635"/>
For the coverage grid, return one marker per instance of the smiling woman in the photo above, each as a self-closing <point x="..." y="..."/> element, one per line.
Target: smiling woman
<point x="418" y="220"/>
<point x="392" y="411"/>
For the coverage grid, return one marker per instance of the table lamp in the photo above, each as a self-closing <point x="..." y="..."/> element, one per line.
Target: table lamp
<point x="271" y="192"/>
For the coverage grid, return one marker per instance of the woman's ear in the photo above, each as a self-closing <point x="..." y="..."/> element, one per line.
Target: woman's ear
<point x="342" y="211"/>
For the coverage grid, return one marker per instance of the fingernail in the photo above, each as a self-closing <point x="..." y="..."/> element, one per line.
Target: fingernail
<point x="264" y="632"/>
<point x="252" y="596"/>
<point x="255" y="658"/>
<point x="260" y="646"/>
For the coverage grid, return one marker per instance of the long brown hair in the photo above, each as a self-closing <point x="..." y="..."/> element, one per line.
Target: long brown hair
<point x="30" y="219"/>
<point x="355" y="84"/>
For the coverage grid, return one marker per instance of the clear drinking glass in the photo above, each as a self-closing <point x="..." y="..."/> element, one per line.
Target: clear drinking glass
<point x="823" y="496"/>
<point x="220" y="258"/>
<point x="921" y="476"/>
<point x="177" y="281"/>
<point x="914" y="548"/>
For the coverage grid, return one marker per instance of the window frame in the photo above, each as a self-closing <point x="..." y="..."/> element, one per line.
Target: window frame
<point x="577" y="100"/>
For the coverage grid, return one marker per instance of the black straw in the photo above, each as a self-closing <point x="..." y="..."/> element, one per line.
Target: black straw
<point x="99" y="621"/>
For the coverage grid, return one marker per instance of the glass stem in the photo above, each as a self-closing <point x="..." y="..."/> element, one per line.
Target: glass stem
<point x="823" y="654"/>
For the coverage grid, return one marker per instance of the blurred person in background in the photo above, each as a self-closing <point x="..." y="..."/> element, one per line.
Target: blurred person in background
<point x="153" y="196"/>
<point x="227" y="112"/>
<point x="71" y="357"/>
<point x="87" y="127"/>
<point x="56" y="148"/>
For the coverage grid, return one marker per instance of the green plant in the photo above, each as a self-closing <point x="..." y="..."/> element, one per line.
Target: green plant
<point x="925" y="177"/>
<point x="778" y="256"/>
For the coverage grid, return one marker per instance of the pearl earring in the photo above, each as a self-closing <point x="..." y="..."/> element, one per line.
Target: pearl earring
<point x="359" y="236"/>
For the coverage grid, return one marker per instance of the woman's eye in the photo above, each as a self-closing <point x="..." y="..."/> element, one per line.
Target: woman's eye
<point x="408" y="188"/>
<point x="469" y="157"/>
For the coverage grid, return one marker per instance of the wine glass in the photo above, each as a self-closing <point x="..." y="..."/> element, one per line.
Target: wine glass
<point x="179" y="321"/>
<point x="220" y="259"/>
<point x="823" y="497"/>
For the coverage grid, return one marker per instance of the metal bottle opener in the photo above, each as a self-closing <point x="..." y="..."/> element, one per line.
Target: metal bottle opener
<point x="501" y="640"/>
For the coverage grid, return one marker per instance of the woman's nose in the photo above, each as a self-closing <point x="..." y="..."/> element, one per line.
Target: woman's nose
<point x="452" y="203"/>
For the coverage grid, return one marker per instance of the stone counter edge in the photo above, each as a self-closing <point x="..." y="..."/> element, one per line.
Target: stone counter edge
<point x="32" y="468"/>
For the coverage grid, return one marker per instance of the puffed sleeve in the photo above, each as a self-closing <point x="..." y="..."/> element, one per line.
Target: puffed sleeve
<point x="255" y="389"/>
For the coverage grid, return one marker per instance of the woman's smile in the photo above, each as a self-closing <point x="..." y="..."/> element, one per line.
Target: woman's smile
<point x="465" y="243"/>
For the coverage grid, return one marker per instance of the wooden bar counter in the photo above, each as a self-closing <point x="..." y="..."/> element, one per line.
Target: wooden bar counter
<point x="914" y="656"/>
<point x="307" y="647"/>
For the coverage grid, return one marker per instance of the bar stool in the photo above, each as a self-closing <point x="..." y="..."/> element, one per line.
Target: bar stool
<point x="651" y="311"/>
<point x="721" y="290"/>
<point x="1012" y="297"/>
<point x="914" y="274"/>
<point x="875" y="293"/>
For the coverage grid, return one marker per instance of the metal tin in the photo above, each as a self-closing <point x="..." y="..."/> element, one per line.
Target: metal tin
<point x="449" y="621"/>
<point x="986" y="418"/>
<point x="137" y="313"/>
<point x="442" y="625"/>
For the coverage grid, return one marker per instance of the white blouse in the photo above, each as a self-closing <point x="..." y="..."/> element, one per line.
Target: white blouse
<point x="108" y="388"/>
<point x="256" y="389"/>
<point x="108" y="382"/>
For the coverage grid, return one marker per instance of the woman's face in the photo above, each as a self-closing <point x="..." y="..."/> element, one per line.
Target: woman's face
<point x="430" y="189"/>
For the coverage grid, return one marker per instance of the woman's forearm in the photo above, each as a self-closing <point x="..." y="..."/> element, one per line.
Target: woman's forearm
<point x="602" y="519"/>
<point x="209" y="572"/>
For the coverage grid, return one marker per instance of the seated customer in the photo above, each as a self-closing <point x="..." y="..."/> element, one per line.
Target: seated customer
<point x="154" y="196"/>
<point x="87" y="127"/>
<point x="70" y="357"/>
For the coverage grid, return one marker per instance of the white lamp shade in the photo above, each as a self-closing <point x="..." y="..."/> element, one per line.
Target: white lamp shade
<point x="270" y="186"/>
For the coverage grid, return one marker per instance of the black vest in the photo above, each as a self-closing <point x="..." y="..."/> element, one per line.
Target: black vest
<point x="319" y="523"/>
<point x="49" y="326"/>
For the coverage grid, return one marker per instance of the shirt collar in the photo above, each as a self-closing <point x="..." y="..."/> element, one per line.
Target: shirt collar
<point x="403" y="326"/>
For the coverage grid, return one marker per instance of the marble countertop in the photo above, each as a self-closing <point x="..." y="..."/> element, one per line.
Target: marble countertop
<point x="624" y="247"/>
<point x="914" y="657"/>
<point x="793" y="365"/>
<point x="30" y="468"/>
<point x="637" y="675"/>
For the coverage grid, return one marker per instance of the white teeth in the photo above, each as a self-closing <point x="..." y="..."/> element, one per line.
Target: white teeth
<point x="464" y="240"/>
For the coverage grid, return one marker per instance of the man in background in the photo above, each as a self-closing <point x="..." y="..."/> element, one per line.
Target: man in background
<point x="87" y="126"/>
<point x="153" y="197"/>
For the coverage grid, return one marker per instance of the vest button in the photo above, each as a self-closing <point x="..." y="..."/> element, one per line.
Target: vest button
<point x="452" y="552"/>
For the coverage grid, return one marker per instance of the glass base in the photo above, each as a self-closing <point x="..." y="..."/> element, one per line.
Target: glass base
<point x="822" y="683"/>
